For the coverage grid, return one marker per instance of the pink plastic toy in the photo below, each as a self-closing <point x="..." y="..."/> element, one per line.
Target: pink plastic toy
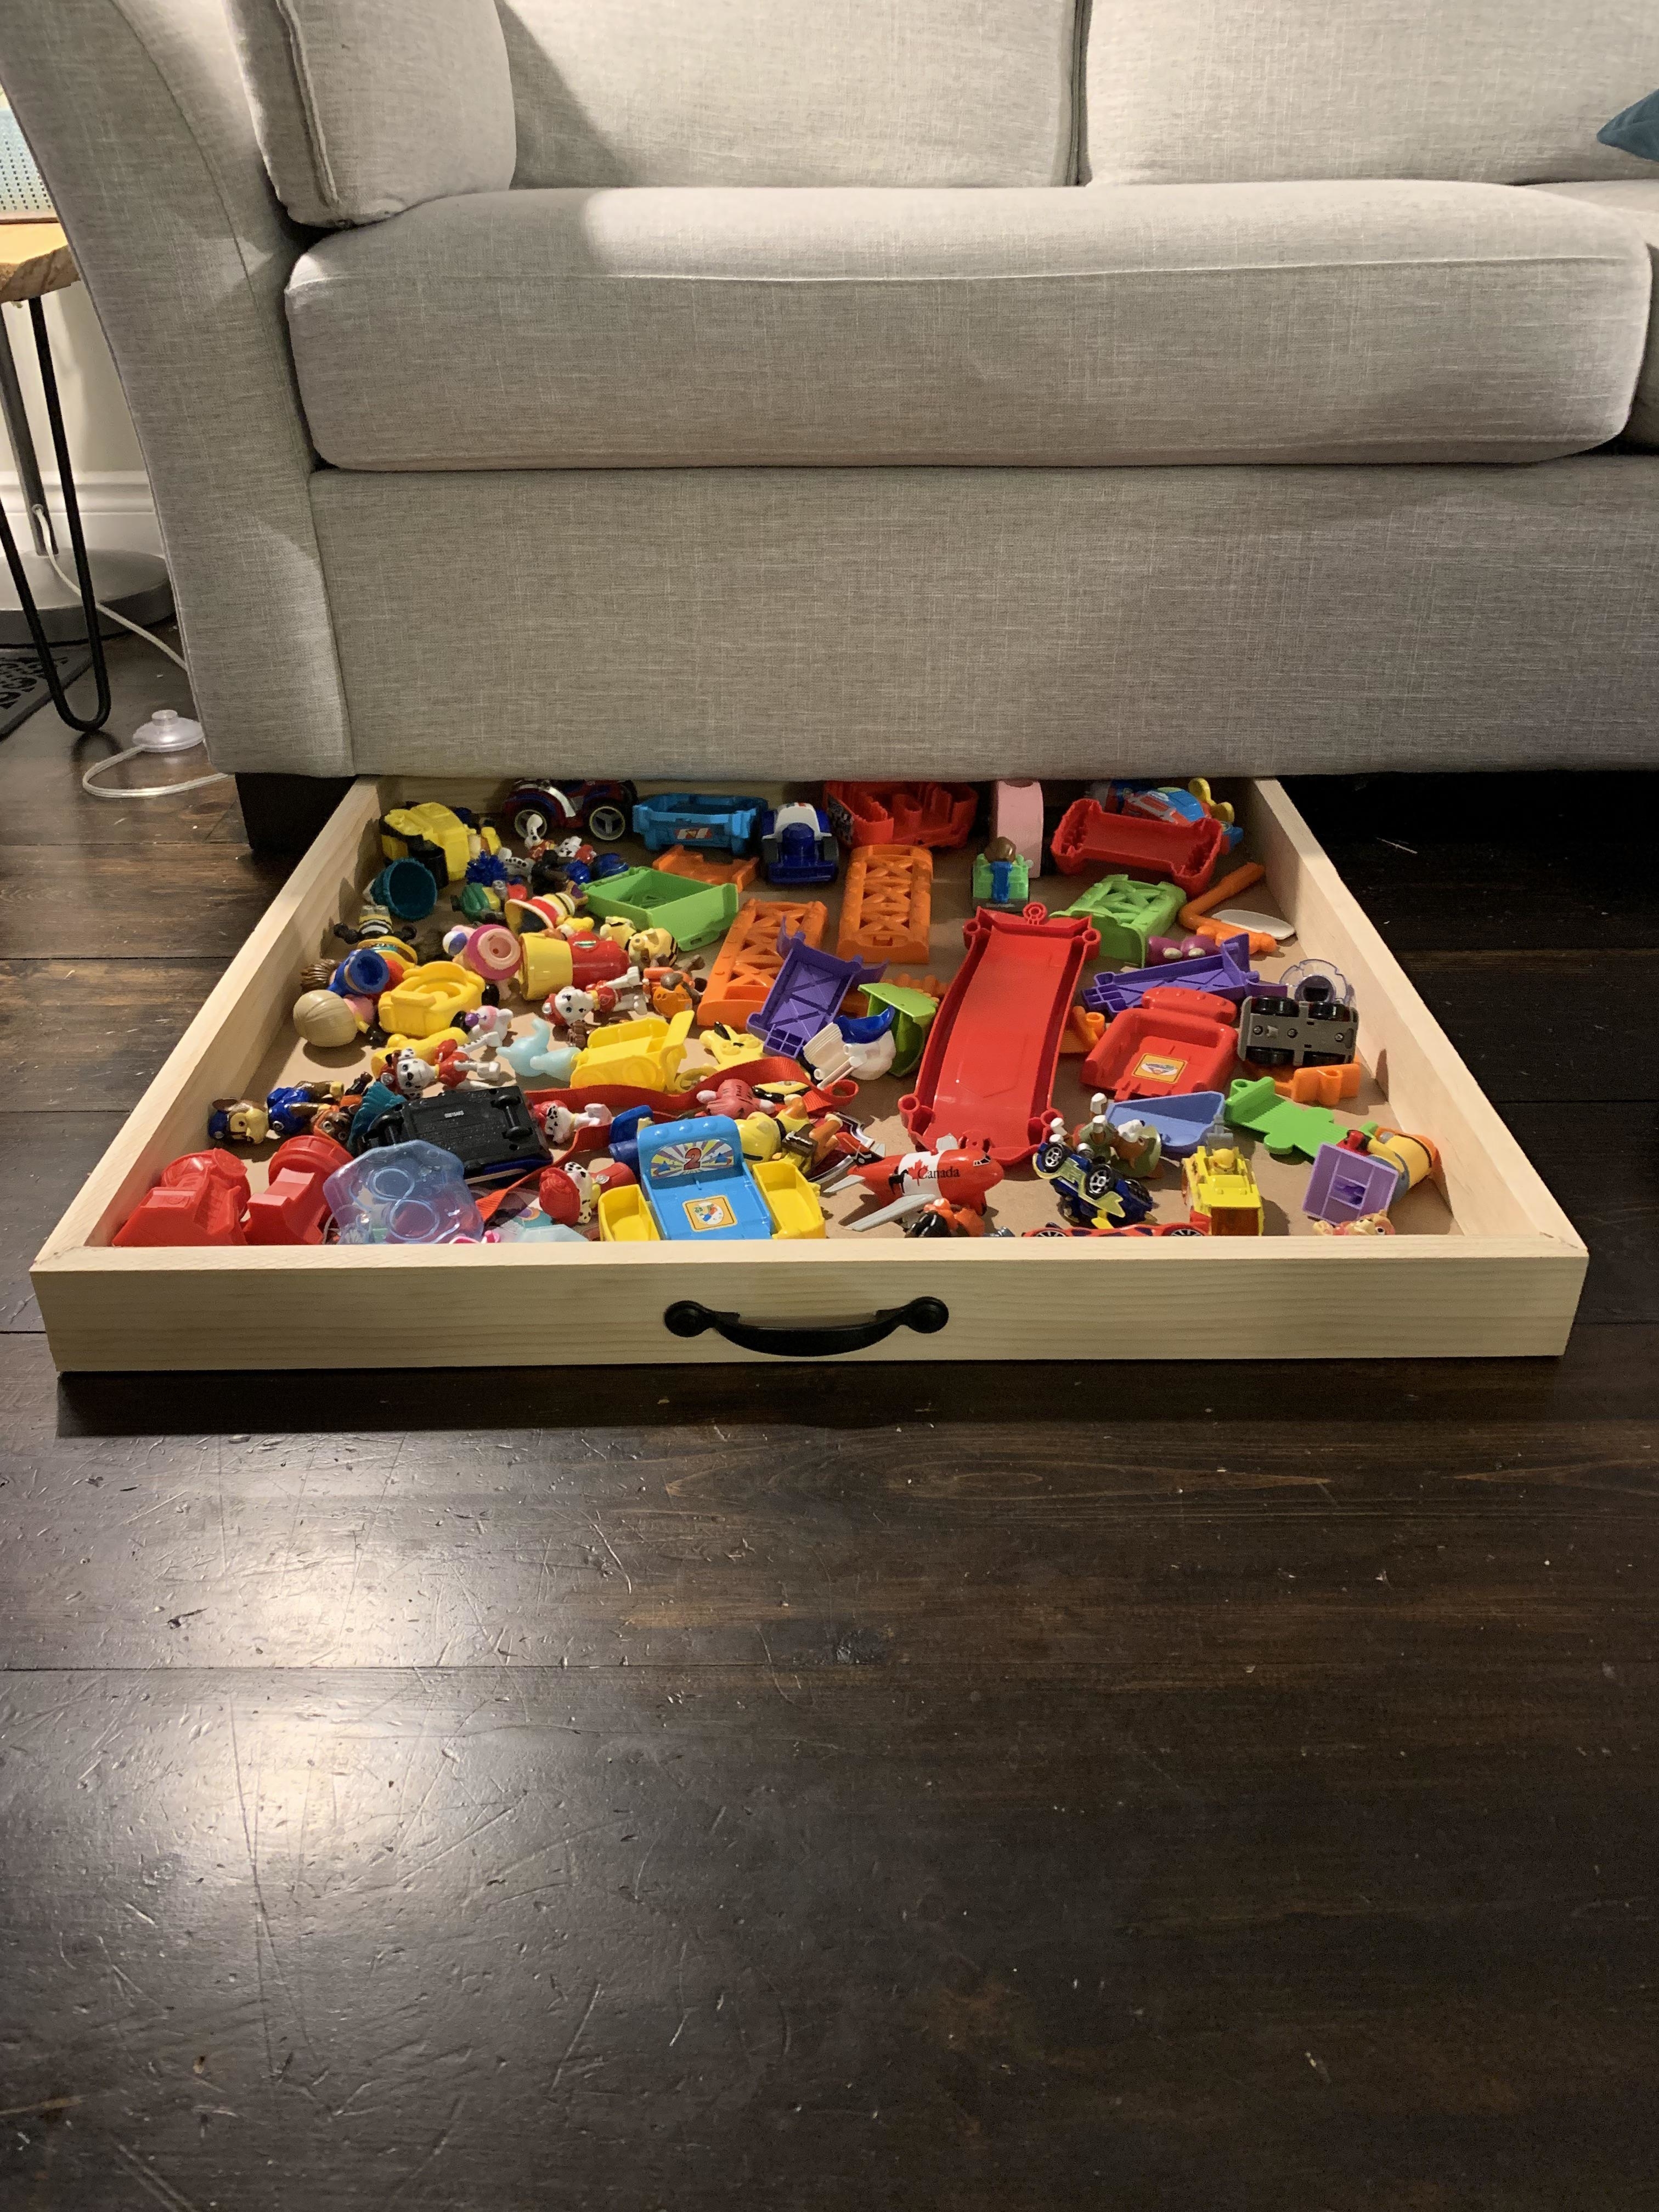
<point x="1017" y="815"/>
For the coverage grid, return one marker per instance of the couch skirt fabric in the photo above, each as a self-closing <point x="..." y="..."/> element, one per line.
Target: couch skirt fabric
<point x="733" y="623"/>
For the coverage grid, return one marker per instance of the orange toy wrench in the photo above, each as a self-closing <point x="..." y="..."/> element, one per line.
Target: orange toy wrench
<point x="1195" y="914"/>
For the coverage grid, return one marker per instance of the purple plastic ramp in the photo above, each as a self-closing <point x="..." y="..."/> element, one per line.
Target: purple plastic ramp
<point x="807" y="993"/>
<point x="1216" y="972"/>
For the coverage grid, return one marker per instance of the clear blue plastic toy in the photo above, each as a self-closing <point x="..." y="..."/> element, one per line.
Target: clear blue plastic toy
<point x="536" y="1060"/>
<point x="410" y="1193"/>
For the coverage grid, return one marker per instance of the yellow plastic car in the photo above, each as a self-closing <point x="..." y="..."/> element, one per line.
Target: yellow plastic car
<point x="644" y="1053"/>
<point x="1222" y="1193"/>
<point x="440" y="825"/>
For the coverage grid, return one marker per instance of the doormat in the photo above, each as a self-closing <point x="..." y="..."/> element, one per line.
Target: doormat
<point x="23" y="688"/>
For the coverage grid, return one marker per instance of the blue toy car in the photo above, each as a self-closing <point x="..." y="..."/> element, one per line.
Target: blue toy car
<point x="698" y="1182"/>
<point x="707" y="822"/>
<point x="1090" y="1193"/>
<point x="798" y="846"/>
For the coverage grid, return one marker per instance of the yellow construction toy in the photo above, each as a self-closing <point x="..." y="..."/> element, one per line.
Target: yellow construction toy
<point x="430" y="999"/>
<point x="1222" y="1193"/>
<point x="438" y="825"/>
<point x="644" y="1053"/>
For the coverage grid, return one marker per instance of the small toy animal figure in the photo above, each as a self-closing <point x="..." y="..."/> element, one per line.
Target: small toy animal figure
<point x="488" y="1025"/>
<point x="566" y="1194"/>
<point x="587" y="1131"/>
<point x="576" y="1012"/>
<point x="650" y="948"/>
<point x="408" y="1075"/>
<point x="582" y="1011"/>
<point x="1130" y="1144"/>
<point x="238" y="1121"/>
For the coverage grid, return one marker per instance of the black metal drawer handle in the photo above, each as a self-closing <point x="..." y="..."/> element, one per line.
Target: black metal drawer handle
<point x="797" y="1341"/>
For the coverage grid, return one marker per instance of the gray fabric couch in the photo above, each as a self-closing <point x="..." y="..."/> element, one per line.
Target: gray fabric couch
<point x="718" y="387"/>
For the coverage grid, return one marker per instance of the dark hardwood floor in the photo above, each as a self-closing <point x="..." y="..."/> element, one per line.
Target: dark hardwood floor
<point x="1200" y="1787"/>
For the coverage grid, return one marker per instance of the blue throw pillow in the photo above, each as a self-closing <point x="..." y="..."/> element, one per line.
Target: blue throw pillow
<point x="1637" y="130"/>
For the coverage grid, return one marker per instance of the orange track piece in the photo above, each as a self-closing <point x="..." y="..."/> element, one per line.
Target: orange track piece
<point x="748" y="962"/>
<point x="680" y="860"/>
<point x="1319" y="1086"/>
<point x="887" y="907"/>
<point x="1195" y="914"/>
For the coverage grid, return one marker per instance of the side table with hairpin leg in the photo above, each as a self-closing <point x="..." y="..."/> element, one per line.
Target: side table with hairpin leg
<point x="44" y="605"/>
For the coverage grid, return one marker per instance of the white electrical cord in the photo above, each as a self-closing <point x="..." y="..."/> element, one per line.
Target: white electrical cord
<point x="149" y="635"/>
<point x="142" y="790"/>
<point x="132" y="752"/>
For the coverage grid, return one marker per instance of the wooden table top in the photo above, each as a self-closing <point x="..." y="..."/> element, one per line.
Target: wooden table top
<point x="34" y="259"/>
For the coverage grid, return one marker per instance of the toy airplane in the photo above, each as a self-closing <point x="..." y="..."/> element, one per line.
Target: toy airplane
<point x="919" y="1178"/>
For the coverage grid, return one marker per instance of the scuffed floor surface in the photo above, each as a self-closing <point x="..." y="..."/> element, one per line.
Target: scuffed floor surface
<point x="919" y="1790"/>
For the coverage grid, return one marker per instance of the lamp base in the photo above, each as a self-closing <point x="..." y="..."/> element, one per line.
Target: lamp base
<point x="135" y="584"/>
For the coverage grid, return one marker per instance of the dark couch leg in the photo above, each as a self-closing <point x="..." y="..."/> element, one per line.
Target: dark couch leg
<point x="284" y="813"/>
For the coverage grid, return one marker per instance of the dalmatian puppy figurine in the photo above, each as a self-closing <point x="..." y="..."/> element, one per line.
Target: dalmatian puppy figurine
<point x="411" y="1076"/>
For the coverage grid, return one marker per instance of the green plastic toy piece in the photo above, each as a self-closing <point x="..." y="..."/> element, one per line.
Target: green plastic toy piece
<point x="915" y="1010"/>
<point x="696" y="914"/>
<point x="1283" y="1127"/>
<point x="1126" y="914"/>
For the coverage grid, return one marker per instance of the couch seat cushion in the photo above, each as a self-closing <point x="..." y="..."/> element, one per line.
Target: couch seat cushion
<point x="1187" y="323"/>
<point x="1635" y="200"/>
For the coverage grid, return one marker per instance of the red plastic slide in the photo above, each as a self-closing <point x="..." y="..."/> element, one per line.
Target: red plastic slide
<point x="987" y="1075"/>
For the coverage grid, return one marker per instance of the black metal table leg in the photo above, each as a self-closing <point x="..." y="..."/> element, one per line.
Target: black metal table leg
<point x="28" y="477"/>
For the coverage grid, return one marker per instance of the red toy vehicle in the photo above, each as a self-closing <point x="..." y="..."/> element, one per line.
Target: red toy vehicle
<point x="536" y="811"/>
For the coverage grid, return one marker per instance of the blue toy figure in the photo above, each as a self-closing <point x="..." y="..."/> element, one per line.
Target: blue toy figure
<point x="698" y="1182"/>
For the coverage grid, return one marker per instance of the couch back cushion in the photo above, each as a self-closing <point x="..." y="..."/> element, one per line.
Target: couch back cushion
<point x="795" y="92"/>
<point x="366" y="108"/>
<point x="1507" y="92"/>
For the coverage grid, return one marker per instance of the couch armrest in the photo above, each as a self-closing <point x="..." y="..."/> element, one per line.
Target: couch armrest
<point x="136" y="113"/>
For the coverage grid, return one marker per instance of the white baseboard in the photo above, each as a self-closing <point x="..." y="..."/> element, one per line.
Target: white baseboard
<point x="117" y="511"/>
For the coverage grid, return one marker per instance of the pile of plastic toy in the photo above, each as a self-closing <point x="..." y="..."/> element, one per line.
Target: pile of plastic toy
<point x="661" y="1090"/>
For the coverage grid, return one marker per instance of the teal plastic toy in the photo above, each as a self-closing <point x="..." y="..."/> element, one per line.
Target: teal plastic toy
<point x="698" y="1182"/>
<point x="1283" y="1127"/>
<point x="535" y="1059"/>
<point x="406" y="889"/>
<point x="1126" y="914"/>
<point x="695" y="914"/>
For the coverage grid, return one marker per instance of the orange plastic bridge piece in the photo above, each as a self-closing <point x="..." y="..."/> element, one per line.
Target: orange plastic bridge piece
<point x="680" y="860"/>
<point x="747" y="964"/>
<point x="1318" y="1086"/>
<point x="887" y="906"/>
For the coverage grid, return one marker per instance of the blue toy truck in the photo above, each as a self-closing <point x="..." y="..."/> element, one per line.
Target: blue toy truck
<point x="799" y="848"/>
<point x="706" y="821"/>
